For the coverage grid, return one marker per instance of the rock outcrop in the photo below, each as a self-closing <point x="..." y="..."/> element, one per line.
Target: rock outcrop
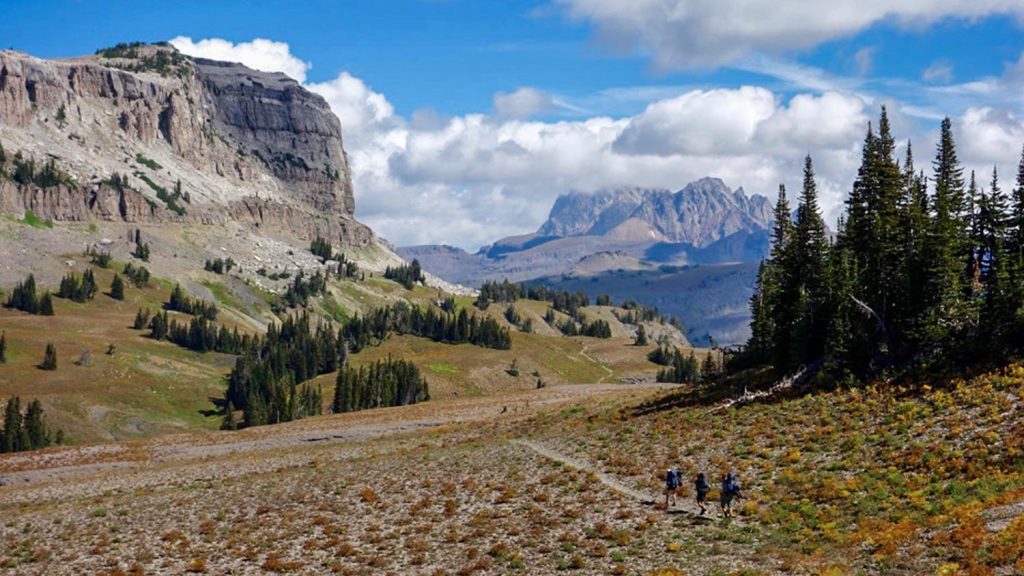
<point x="700" y="214"/>
<point x="198" y="141"/>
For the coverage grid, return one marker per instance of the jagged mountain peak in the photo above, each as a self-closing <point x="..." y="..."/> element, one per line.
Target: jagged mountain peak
<point x="702" y="212"/>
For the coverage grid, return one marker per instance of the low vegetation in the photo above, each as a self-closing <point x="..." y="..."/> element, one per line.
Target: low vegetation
<point x="139" y="57"/>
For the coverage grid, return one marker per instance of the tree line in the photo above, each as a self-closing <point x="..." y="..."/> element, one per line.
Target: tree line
<point x="219" y="265"/>
<point x="25" y="298"/>
<point x="300" y="289"/>
<point x="506" y="292"/>
<point x="383" y="383"/>
<point x="25" y="431"/>
<point x="179" y="302"/>
<point x="682" y="369"/>
<point x="324" y="250"/>
<point x="78" y="289"/>
<point x="912" y="279"/>
<point x="266" y="380"/>
<point x="437" y="325"/>
<point x="407" y="274"/>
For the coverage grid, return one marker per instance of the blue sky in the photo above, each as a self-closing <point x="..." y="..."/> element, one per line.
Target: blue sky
<point x="604" y="93"/>
<point x="453" y="55"/>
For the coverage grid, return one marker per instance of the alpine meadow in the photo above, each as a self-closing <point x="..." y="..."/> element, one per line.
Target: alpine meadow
<point x="652" y="288"/>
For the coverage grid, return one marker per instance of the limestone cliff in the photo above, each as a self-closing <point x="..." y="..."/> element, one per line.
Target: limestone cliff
<point x="196" y="141"/>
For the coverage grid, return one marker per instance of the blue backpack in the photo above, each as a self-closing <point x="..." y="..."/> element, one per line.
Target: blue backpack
<point x="732" y="487"/>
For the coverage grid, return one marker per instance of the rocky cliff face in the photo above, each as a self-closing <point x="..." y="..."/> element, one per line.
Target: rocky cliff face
<point x="198" y="141"/>
<point x="699" y="215"/>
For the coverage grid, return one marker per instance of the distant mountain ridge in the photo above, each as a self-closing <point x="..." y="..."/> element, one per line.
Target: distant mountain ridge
<point x="629" y="229"/>
<point x="703" y="212"/>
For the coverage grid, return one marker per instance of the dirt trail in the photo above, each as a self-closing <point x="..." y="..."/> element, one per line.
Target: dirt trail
<point x="682" y="506"/>
<point x="608" y="371"/>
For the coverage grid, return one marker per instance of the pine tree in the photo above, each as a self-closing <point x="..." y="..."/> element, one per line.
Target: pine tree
<point x="1015" y="249"/>
<point x="10" y="436"/>
<point x="805" y="275"/>
<point x="117" y="288"/>
<point x="229" y="422"/>
<point x="883" y="263"/>
<point x="641" y="336"/>
<point x="998" y="307"/>
<point x="946" y="314"/>
<point x="46" y="305"/>
<point x="34" y="428"/>
<point x="49" y="358"/>
<point x="762" y="330"/>
<point x="914" y="224"/>
<point x="773" y="318"/>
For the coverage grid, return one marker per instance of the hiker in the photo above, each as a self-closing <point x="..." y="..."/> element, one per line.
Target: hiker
<point x="701" y="487"/>
<point x="730" y="491"/>
<point x="672" y="482"/>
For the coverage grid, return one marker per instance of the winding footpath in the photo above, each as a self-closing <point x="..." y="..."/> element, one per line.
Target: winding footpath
<point x="683" y="506"/>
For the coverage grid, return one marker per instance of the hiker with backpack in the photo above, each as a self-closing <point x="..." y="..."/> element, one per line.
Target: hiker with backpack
<point x="701" y="488"/>
<point x="730" y="492"/>
<point x="673" y="479"/>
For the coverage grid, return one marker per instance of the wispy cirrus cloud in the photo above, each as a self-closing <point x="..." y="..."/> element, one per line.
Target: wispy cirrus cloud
<point x="689" y="34"/>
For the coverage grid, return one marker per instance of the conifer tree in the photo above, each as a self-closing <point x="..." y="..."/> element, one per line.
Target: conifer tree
<point x="117" y="288"/>
<point x="34" y="429"/>
<point x="1015" y="249"/>
<point x="49" y="358"/>
<point x="882" y="264"/>
<point x="229" y="422"/>
<point x="998" y="307"/>
<point x="805" y="275"/>
<point x="914" y="223"/>
<point x="46" y="304"/>
<point x="10" y="436"/>
<point x="641" y="336"/>
<point x="946" y="314"/>
<point x="772" y="317"/>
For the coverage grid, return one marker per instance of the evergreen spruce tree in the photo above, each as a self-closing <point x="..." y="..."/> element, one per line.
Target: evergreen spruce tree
<point x="46" y="304"/>
<point x="844" y="349"/>
<point x="761" y="324"/>
<point x="229" y="422"/>
<point x="641" y="336"/>
<point x="805" y="273"/>
<point x="34" y="428"/>
<point x="882" y="267"/>
<point x="49" y="358"/>
<point x="946" y="315"/>
<point x="1015" y="249"/>
<point x="10" y="436"/>
<point x="998" y="307"/>
<point x="776" y="318"/>
<point x="914" y="224"/>
<point x="117" y="288"/>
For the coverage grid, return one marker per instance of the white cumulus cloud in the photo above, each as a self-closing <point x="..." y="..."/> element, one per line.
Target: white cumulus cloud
<point x="471" y="179"/>
<point x="259" y="54"/>
<point x="522" y="103"/>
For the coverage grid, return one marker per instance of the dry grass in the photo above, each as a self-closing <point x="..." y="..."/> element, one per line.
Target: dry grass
<point x="855" y="482"/>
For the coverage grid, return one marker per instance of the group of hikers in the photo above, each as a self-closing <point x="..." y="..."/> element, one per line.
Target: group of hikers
<point x="730" y="490"/>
